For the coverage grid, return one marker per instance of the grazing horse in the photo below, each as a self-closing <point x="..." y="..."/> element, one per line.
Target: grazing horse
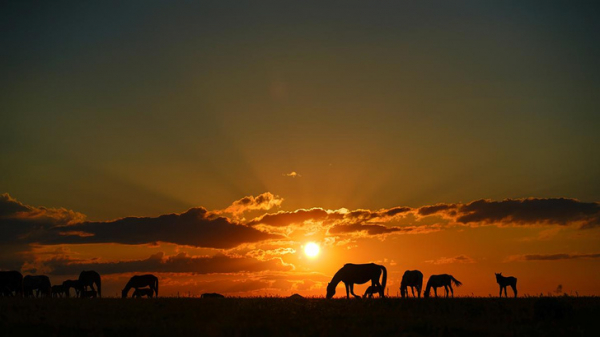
<point x="139" y="292"/>
<point x="140" y="281"/>
<point x="88" y="293"/>
<point x="370" y="291"/>
<point x="88" y="278"/>
<point x="506" y="281"/>
<point x="40" y="283"/>
<point x="412" y="279"/>
<point x="11" y="281"/>
<point x="359" y="274"/>
<point x="443" y="280"/>
<point x="58" y="291"/>
<point x="212" y="295"/>
<point x="68" y="284"/>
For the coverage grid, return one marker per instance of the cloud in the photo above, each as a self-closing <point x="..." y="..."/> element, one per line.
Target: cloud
<point x="159" y="263"/>
<point x="530" y="211"/>
<point x="449" y="260"/>
<point x="553" y="257"/>
<point x="264" y="201"/>
<point x="195" y="227"/>
<point x="292" y="174"/>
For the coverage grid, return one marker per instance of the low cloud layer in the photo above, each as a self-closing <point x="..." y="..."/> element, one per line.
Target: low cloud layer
<point x="264" y="202"/>
<point x="181" y="263"/>
<point x="450" y="260"/>
<point x="553" y="257"/>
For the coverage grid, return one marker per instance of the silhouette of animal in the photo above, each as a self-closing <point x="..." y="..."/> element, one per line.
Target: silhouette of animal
<point x="58" y="291"/>
<point x="11" y="282"/>
<point x="412" y="279"/>
<point x="140" y="281"/>
<point x="68" y="284"/>
<point x="211" y="295"/>
<point x="504" y="281"/>
<point x="444" y="280"/>
<point x="296" y="297"/>
<point x="39" y="283"/>
<point x="88" y="293"/>
<point x="139" y="292"/>
<point x="359" y="274"/>
<point x="88" y="278"/>
<point x="370" y="291"/>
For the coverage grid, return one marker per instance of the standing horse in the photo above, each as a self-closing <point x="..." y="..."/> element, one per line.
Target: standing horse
<point x="88" y="278"/>
<point x="443" y="280"/>
<point x="359" y="274"/>
<point x="11" y="281"/>
<point x="68" y="284"/>
<point x="140" y="281"/>
<point x="412" y="279"/>
<point x="40" y="283"/>
<point x="506" y="281"/>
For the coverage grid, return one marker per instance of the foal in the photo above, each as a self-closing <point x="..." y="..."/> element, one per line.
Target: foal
<point x="506" y="281"/>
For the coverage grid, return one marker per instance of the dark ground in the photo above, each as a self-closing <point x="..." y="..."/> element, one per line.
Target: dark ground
<point x="546" y="316"/>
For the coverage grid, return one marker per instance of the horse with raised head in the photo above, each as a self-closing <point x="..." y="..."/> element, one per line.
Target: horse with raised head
<point x="444" y="280"/>
<point x="88" y="278"/>
<point x="140" y="281"/>
<point x="412" y="279"/>
<point x="11" y="282"/>
<point x="352" y="274"/>
<point x="211" y="295"/>
<point x="39" y="283"/>
<point x="68" y="284"/>
<point x="140" y="292"/>
<point x="504" y="281"/>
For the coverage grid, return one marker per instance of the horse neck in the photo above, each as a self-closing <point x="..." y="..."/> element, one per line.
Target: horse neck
<point x="337" y="278"/>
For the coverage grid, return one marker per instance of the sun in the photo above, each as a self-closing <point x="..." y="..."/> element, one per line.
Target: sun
<point x="311" y="249"/>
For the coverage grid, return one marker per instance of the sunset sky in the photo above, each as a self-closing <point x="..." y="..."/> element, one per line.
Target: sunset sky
<point x="208" y="142"/>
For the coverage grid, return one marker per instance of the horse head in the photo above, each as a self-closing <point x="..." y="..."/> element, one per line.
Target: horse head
<point x="124" y="293"/>
<point x="330" y="290"/>
<point x="498" y="276"/>
<point x="426" y="293"/>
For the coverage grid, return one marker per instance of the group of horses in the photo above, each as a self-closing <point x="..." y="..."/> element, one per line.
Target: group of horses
<point x="351" y="274"/>
<point x="12" y="283"/>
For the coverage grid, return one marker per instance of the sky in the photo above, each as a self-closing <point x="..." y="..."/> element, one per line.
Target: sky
<point x="209" y="142"/>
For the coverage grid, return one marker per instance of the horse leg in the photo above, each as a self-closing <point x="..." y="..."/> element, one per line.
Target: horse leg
<point x="505" y="292"/>
<point x="352" y="291"/>
<point x="515" y="290"/>
<point x="435" y="291"/>
<point x="500" y="291"/>
<point x="452" y="290"/>
<point x="413" y="290"/>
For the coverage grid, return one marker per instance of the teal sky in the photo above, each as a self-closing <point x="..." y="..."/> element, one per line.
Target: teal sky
<point x="148" y="107"/>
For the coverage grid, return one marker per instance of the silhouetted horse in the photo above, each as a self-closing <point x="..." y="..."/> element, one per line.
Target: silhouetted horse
<point x="211" y="295"/>
<point x="58" y="291"/>
<point x="39" y="283"/>
<point x="506" y="281"/>
<point x="88" y="278"/>
<point x="140" y="281"/>
<point x="359" y="274"/>
<point x="88" y="293"/>
<point x="412" y="279"/>
<point x="370" y="291"/>
<point x="443" y="280"/>
<point x="68" y="284"/>
<point x="11" y="281"/>
<point x="138" y="293"/>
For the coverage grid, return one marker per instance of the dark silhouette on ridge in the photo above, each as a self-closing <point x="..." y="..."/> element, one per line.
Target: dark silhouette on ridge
<point x="370" y="291"/>
<point x="11" y="283"/>
<point x="140" y="281"/>
<point x="88" y="278"/>
<point x="211" y="295"/>
<point x="443" y="280"/>
<point x="359" y="274"/>
<point x="504" y="281"/>
<point x="39" y="283"/>
<point x="75" y="284"/>
<point x="412" y="279"/>
<point x="88" y="293"/>
<point x="140" y="292"/>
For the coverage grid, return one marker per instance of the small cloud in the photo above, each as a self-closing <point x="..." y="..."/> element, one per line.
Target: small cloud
<point x="449" y="260"/>
<point x="292" y="174"/>
<point x="552" y="257"/>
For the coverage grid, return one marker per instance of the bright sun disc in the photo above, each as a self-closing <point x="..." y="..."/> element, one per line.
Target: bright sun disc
<point x="311" y="249"/>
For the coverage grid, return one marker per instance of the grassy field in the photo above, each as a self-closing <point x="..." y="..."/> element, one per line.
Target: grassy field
<point x="547" y="316"/>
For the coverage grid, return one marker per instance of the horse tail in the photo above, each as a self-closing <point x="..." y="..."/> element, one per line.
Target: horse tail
<point x="99" y="285"/>
<point x="456" y="282"/>
<point x="383" y="278"/>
